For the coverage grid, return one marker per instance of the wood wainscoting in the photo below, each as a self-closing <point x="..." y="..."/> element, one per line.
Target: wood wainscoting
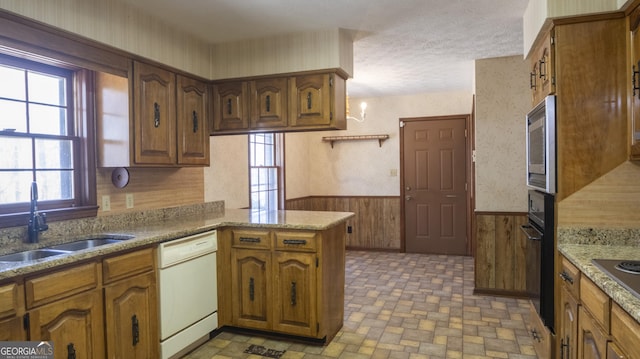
<point x="500" y="252"/>
<point x="376" y="225"/>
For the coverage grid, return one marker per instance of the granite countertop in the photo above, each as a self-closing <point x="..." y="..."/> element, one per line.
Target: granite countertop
<point x="164" y="229"/>
<point x="582" y="254"/>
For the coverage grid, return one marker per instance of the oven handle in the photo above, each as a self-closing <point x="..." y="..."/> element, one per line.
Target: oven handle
<point x="532" y="233"/>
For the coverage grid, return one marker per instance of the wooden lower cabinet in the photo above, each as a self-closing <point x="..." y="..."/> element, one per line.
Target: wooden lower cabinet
<point x="592" y="340"/>
<point x="74" y="325"/>
<point x="289" y="282"/>
<point x="568" y="331"/>
<point x="295" y="293"/>
<point x="625" y="332"/>
<point x="251" y="288"/>
<point x="11" y="311"/>
<point x="131" y="317"/>
<point x="542" y="338"/>
<point x="97" y="309"/>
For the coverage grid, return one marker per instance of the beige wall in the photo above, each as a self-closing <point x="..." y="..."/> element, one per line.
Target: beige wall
<point x="227" y="178"/>
<point x="362" y="168"/>
<point x="538" y="11"/>
<point x="121" y="26"/>
<point x="502" y="100"/>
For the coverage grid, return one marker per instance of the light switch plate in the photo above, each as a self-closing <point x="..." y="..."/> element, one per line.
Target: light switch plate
<point x="129" y="200"/>
<point x="106" y="203"/>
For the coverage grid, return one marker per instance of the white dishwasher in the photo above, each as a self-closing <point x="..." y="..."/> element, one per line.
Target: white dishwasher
<point x="188" y="292"/>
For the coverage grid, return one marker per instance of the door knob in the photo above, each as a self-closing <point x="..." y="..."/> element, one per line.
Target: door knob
<point x="408" y="188"/>
<point x="408" y="198"/>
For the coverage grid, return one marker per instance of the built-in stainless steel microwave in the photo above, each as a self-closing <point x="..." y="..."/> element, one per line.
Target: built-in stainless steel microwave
<point x="541" y="146"/>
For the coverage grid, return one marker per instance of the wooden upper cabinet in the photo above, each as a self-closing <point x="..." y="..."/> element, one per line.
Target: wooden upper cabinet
<point x="154" y="115"/>
<point x="634" y="49"/>
<point x="167" y="126"/>
<point x="542" y="76"/>
<point x="230" y="106"/>
<point x="318" y="100"/>
<point x="192" y="121"/>
<point x="304" y="102"/>
<point x="269" y="103"/>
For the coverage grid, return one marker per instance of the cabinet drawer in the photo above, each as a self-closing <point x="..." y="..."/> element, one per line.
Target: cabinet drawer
<point x="126" y="265"/>
<point x="540" y="334"/>
<point x="11" y="299"/>
<point x="61" y="284"/>
<point x="596" y="302"/>
<point x="625" y="331"/>
<point x="296" y="241"/>
<point x="570" y="276"/>
<point x="243" y="238"/>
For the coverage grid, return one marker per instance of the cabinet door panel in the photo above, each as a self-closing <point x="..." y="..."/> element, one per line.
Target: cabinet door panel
<point x="155" y="115"/>
<point x="311" y="100"/>
<point x="132" y="320"/>
<point x="74" y="325"/>
<point x="11" y="330"/>
<point x="269" y="103"/>
<point x="568" y="335"/>
<point x="295" y="293"/>
<point x="230" y="112"/>
<point x="250" y="288"/>
<point x="193" y="132"/>
<point x="592" y="342"/>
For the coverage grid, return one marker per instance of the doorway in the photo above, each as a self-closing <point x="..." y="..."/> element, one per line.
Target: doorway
<point x="434" y="182"/>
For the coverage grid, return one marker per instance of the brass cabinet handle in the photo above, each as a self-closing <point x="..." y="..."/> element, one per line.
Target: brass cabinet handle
<point x="251" y="289"/>
<point x="532" y="80"/>
<point x="267" y="103"/>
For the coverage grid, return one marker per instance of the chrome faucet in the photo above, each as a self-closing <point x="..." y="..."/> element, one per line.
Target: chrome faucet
<point x="37" y="220"/>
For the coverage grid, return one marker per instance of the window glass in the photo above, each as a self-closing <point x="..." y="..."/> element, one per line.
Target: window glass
<point x="12" y="85"/>
<point x="264" y="172"/>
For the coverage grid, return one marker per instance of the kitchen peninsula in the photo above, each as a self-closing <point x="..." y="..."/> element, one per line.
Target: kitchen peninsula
<point x="280" y="272"/>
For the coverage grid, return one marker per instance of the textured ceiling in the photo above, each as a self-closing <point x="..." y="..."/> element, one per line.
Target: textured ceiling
<point x="401" y="46"/>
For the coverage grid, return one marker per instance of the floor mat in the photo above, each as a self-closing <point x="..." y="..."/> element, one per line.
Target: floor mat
<point x="265" y="352"/>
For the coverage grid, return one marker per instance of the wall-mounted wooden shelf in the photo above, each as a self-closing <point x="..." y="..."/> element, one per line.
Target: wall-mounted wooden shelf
<point x="332" y="139"/>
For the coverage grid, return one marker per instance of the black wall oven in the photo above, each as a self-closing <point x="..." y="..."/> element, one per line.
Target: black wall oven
<point x="540" y="257"/>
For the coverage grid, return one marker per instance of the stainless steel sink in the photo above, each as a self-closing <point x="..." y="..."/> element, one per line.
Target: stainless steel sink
<point x="31" y="255"/>
<point x="85" y="244"/>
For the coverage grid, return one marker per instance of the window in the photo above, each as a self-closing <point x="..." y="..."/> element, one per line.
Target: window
<point x="265" y="175"/>
<point x="39" y="140"/>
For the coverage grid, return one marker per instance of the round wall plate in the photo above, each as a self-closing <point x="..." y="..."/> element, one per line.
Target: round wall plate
<point x="120" y="177"/>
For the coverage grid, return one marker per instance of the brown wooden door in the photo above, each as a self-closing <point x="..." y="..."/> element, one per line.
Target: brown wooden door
<point x="193" y="114"/>
<point x="295" y="293"/>
<point x="132" y="318"/>
<point x="155" y="115"/>
<point x="434" y="174"/>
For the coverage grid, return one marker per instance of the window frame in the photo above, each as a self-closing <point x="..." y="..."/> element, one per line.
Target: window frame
<point x="278" y="164"/>
<point x="82" y="132"/>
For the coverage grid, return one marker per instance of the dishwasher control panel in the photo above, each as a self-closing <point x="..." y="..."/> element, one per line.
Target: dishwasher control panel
<point x="183" y="249"/>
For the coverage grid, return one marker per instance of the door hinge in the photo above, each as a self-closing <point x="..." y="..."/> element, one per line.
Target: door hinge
<point x="317" y="262"/>
<point x="401" y="124"/>
<point x="331" y="81"/>
<point x="465" y="187"/>
<point x="317" y="327"/>
<point x="26" y="322"/>
<point x="465" y="133"/>
<point x="330" y="115"/>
